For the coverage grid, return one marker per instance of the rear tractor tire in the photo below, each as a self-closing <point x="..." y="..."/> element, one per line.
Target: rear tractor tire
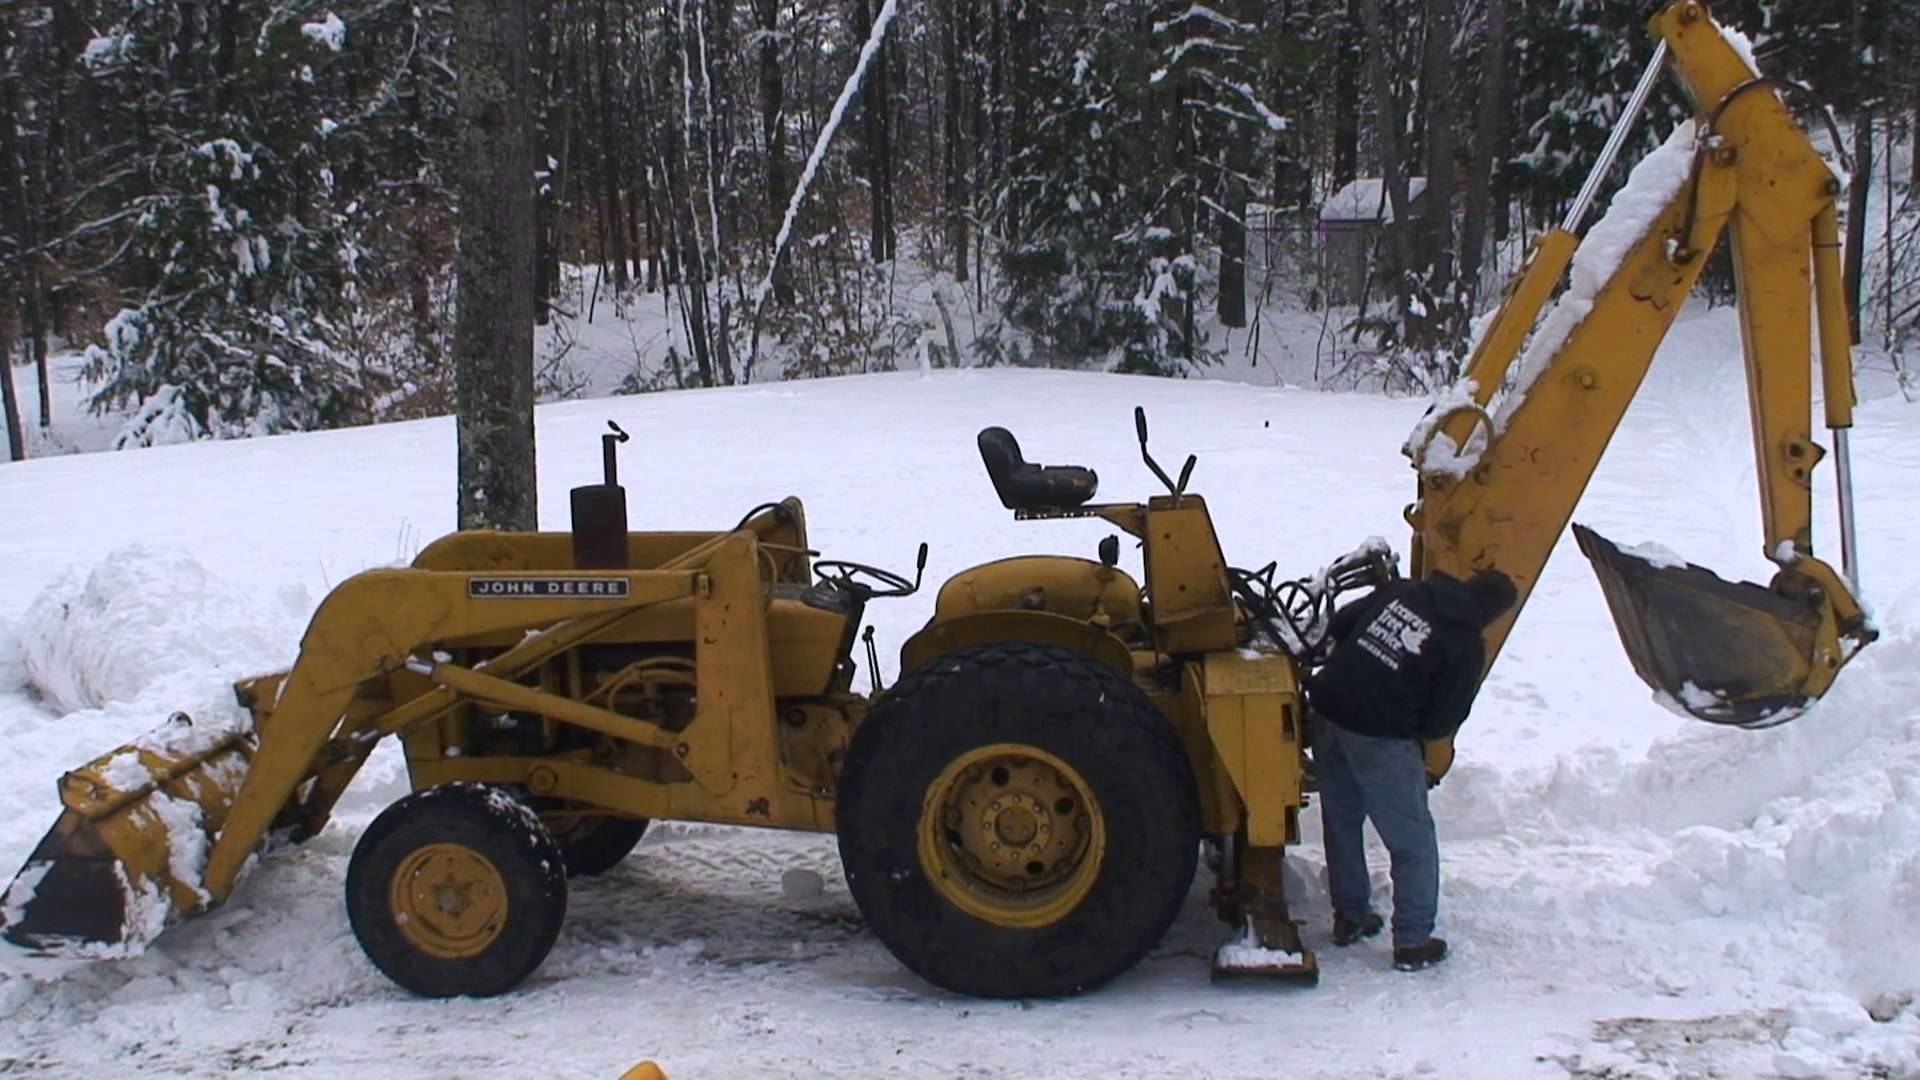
<point x="457" y="889"/>
<point x="591" y="844"/>
<point x="1017" y="820"/>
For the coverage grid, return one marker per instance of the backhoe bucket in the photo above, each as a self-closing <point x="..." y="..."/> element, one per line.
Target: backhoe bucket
<point x="1727" y="652"/>
<point x="125" y="859"/>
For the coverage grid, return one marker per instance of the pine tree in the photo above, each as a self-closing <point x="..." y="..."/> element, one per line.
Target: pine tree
<point x="248" y="251"/>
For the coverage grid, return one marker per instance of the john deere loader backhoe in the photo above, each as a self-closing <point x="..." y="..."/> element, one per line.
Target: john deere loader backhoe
<point x="1023" y="811"/>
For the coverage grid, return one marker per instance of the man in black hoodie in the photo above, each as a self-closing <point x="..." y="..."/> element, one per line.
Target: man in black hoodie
<point x="1405" y="665"/>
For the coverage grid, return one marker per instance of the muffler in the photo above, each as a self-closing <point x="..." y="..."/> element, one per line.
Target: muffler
<point x="1726" y="652"/>
<point x="127" y="857"/>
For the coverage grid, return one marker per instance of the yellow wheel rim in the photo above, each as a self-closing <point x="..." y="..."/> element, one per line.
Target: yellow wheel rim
<point x="449" y="900"/>
<point x="1011" y="835"/>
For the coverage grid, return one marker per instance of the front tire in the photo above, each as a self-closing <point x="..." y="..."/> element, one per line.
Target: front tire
<point x="1017" y="820"/>
<point x="458" y="889"/>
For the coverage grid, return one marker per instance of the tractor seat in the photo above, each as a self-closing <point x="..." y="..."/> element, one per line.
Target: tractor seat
<point x="1023" y="485"/>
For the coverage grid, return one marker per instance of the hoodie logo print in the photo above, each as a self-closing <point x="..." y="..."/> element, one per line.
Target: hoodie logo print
<point x="1395" y="634"/>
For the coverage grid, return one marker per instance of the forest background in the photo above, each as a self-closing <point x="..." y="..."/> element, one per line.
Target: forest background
<point x="244" y="212"/>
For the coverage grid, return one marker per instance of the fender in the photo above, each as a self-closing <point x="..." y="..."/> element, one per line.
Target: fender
<point x="1043" y="627"/>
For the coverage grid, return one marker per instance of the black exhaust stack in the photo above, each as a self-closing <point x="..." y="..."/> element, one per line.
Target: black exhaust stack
<point x="600" y="514"/>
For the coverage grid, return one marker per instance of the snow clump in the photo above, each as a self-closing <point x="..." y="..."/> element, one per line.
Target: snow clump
<point x="142" y="614"/>
<point x="329" y="31"/>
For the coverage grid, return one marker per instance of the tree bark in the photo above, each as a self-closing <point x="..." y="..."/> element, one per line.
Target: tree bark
<point x="1436" y="226"/>
<point x="549" y="124"/>
<point x="954" y="162"/>
<point x="609" y="156"/>
<point x="9" y="401"/>
<point x="874" y="105"/>
<point x="493" y="330"/>
<point x="1392" y="174"/>
<point x="1346" y="100"/>
<point x="773" y="130"/>
<point x="1487" y="135"/>
<point x="1856" y="248"/>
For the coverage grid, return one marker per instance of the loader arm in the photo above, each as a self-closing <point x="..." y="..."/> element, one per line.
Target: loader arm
<point x="161" y="830"/>
<point x="1496" y="489"/>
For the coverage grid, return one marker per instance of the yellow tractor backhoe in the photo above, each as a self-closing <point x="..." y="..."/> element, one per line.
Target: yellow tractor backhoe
<point x="1022" y="813"/>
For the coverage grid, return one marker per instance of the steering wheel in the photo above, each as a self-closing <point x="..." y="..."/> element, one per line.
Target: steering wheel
<point x="844" y="574"/>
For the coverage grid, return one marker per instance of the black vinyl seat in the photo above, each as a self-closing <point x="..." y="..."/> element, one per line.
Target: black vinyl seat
<point x="1023" y="485"/>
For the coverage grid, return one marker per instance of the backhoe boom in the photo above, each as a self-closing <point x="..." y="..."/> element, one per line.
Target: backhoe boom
<point x="1501" y="486"/>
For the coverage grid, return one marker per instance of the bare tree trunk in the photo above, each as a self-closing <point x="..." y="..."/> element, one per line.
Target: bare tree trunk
<point x="1231" y="226"/>
<point x="1346" y="99"/>
<point x="1436" y="256"/>
<point x="954" y="165"/>
<point x="1487" y="135"/>
<point x="1233" y="243"/>
<point x="1862" y="181"/>
<point x="773" y="129"/>
<point x="874" y="94"/>
<point x="1856" y="248"/>
<point x="546" y="229"/>
<point x="609" y="149"/>
<point x="9" y="400"/>
<point x="493" y="331"/>
<point x="37" y="335"/>
<point x="1393" y="175"/>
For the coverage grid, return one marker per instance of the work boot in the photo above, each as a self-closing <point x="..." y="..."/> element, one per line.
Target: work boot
<point x="1347" y="931"/>
<point x="1424" y="955"/>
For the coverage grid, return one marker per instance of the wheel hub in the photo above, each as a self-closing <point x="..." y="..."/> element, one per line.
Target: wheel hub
<point x="1010" y="834"/>
<point x="449" y="900"/>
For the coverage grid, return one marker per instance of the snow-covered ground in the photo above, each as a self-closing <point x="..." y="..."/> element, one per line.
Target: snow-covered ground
<point x="1629" y="893"/>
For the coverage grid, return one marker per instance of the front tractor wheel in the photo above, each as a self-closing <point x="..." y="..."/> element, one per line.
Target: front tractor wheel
<point x="458" y="889"/>
<point x="1017" y="820"/>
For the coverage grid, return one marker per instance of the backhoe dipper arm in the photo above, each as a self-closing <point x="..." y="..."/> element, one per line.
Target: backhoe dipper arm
<point x="1503" y="497"/>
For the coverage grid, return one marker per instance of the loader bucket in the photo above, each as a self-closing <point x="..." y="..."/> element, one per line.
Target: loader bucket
<point x="125" y="859"/>
<point x="1727" y="652"/>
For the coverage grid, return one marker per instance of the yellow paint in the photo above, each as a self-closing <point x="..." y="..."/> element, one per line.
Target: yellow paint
<point x="448" y="900"/>
<point x="1012" y="835"/>
<point x="1253" y="716"/>
<point x="1769" y="190"/>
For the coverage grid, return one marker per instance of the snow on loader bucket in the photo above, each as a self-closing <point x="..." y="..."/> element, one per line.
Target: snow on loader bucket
<point x="125" y="858"/>
<point x="1727" y="652"/>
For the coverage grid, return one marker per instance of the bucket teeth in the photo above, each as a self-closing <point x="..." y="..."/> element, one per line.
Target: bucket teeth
<point x="1726" y="652"/>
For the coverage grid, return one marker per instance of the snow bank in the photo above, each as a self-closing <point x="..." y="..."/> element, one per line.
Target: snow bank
<point x="1643" y="896"/>
<point x="13" y="658"/>
<point x="106" y="635"/>
<point x="1808" y="829"/>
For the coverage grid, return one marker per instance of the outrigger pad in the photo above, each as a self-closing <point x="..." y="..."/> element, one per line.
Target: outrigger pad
<point x="1727" y="652"/>
<point x="1243" y="958"/>
<point x="1023" y="485"/>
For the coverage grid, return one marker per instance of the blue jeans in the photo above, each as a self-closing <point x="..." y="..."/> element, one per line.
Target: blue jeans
<point x="1363" y="777"/>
